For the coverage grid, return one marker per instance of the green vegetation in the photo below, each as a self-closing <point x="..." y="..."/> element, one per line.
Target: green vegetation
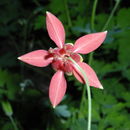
<point x="24" y="89"/>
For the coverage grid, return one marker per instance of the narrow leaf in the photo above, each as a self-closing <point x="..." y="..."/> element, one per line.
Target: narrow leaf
<point x="7" y="108"/>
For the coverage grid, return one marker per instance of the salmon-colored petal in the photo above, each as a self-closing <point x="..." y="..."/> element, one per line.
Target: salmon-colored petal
<point x="76" y="57"/>
<point x="89" y="42"/>
<point x="37" y="58"/>
<point x="57" y="65"/>
<point x="68" y="46"/>
<point x="57" y="88"/>
<point x="90" y="73"/>
<point x="55" y="29"/>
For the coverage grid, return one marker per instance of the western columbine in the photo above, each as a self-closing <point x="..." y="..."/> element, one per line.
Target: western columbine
<point x="58" y="57"/>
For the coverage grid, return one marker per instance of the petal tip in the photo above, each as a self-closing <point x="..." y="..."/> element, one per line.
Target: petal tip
<point x="101" y="87"/>
<point x="105" y="31"/>
<point x="19" y="58"/>
<point x="47" y="12"/>
<point x="54" y="107"/>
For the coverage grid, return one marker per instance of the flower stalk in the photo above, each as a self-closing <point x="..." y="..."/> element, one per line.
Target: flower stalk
<point x="67" y="13"/>
<point x="111" y="15"/>
<point x="9" y="112"/>
<point x="13" y="123"/>
<point x="88" y="92"/>
<point x="93" y="14"/>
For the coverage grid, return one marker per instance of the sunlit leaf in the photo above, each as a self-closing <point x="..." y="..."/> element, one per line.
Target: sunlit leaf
<point x="62" y="111"/>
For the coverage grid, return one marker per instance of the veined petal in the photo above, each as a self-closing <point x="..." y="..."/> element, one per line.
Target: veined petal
<point x="90" y="73"/>
<point x="55" y="29"/>
<point x="89" y="42"/>
<point x="57" y="88"/>
<point x="37" y="58"/>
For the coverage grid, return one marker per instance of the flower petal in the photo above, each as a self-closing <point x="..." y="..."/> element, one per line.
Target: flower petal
<point x="89" y="42"/>
<point x="37" y="58"/>
<point x="57" y="88"/>
<point x="55" y="29"/>
<point x="90" y="73"/>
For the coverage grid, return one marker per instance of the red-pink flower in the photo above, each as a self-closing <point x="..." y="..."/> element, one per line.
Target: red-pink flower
<point x="58" y="58"/>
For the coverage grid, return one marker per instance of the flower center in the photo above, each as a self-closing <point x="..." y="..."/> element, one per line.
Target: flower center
<point x="60" y="58"/>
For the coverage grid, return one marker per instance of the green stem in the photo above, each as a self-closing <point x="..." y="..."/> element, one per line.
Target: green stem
<point x="37" y="3"/>
<point x="93" y="14"/>
<point x="106" y="24"/>
<point x="111" y="15"/>
<point x="82" y="101"/>
<point x="13" y="123"/>
<point x="90" y="58"/>
<point x="93" y="26"/>
<point x="67" y="13"/>
<point x="88" y="92"/>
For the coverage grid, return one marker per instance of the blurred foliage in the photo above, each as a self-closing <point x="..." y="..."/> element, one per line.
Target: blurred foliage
<point x="24" y="89"/>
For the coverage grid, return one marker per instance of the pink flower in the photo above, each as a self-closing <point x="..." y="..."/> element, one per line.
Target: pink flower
<point x="58" y="58"/>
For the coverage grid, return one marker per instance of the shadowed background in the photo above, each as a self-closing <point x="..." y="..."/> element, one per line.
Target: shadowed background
<point x="24" y="89"/>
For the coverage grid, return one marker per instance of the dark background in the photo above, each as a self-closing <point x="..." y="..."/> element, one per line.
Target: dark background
<point x="25" y="88"/>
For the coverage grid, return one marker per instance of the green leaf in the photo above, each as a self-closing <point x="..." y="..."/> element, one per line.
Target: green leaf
<point x="126" y="97"/>
<point x="39" y="22"/>
<point x="7" y="108"/>
<point x="126" y="73"/>
<point x="110" y="129"/>
<point x="11" y="60"/>
<point x="9" y="14"/>
<point x="114" y="87"/>
<point x="113" y="108"/>
<point x="103" y="69"/>
<point x="7" y="126"/>
<point x="101" y="20"/>
<point x="80" y="124"/>
<point x="115" y="119"/>
<point x="95" y="111"/>
<point x="124" y="48"/>
<point x="54" y="8"/>
<point x="123" y="17"/>
<point x="10" y="83"/>
<point x="3" y="77"/>
<point x="97" y="93"/>
<point x="62" y="111"/>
